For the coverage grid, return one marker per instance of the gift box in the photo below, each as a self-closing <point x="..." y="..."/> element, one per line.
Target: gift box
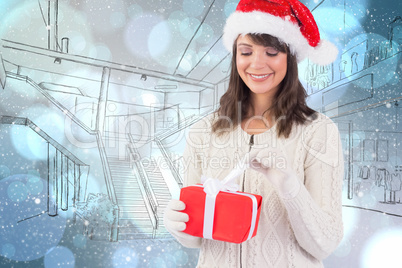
<point x="230" y="216"/>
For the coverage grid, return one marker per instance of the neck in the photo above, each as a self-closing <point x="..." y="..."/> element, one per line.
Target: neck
<point x="260" y="105"/>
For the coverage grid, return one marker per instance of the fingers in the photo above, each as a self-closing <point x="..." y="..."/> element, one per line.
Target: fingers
<point x="175" y="220"/>
<point x="253" y="153"/>
<point x="256" y="165"/>
<point x="262" y="159"/>
<point x="267" y="158"/>
<point x="174" y="226"/>
<point x="175" y="204"/>
<point x="177" y="216"/>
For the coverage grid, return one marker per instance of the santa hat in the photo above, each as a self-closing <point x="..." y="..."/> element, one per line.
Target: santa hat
<point x="288" y="20"/>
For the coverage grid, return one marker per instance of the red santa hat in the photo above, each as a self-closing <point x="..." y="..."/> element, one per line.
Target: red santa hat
<point x="288" y="20"/>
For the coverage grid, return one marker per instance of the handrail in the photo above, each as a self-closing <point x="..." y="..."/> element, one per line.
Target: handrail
<point x="176" y="127"/>
<point x="141" y="167"/>
<point x="186" y="122"/>
<point x="101" y="147"/>
<point x="114" y="230"/>
<point x="23" y="121"/>
<point x="106" y="169"/>
<point x="62" y="192"/>
<point x="145" y="186"/>
<point x="108" y="177"/>
<point x="169" y="161"/>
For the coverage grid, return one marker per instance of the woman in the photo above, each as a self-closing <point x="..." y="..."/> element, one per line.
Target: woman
<point x="294" y="153"/>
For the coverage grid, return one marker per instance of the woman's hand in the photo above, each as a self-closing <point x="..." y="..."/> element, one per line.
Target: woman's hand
<point x="175" y="222"/>
<point x="174" y="219"/>
<point x="273" y="164"/>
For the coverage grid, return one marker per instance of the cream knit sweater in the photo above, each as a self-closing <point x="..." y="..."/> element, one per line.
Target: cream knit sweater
<point x="298" y="232"/>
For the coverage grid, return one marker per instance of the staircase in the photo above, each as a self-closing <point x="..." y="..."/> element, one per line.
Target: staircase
<point x="161" y="192"/>
<point x="134" y="220"/>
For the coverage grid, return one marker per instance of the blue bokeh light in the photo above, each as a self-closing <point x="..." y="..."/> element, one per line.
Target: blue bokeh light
<point x="100" y="51"/>
<point x="27" y="143"/>
<point x="59" y="257"/>
<point x="8" y="250"/>
<point x="137" y="34"/>
<point x="206" y="34"/>
<point x="177" y="16"/>
<point x="125" y="258"/>
<point x="181" y="257"/>
<point x="134" y="11"/>
<point x="78" y="43"/>
<point x="34" y="185"/>
<point x="159" y="39"/>
<point x="393" y="78"/>
<point x="15" y="18"/>
<point x="17" y="191"/>
<point x="193" y="8"/>
<point x="230" y="7"/>
<point x="4" y="172"/>
<point x="374" y="54"/>
<point x="80" y="241"/>
<point x="188" y="26"/>
<point x="25" y="225"/>
<point x="117" y="20"/>
<point x="157" y="262"/>
<point x="170" y="260"/>
<point x="335" y="21"/>
<point x="5" y="7"/>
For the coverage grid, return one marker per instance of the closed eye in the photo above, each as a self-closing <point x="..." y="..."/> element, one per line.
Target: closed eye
<point x="272" y="54"/>
<point x="271" y="51"/>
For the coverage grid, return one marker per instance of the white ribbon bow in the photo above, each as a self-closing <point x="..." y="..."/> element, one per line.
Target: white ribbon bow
<point x="212" y="188"/>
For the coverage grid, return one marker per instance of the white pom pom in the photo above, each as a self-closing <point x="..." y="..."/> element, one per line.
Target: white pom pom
<point x="323" y="54"/>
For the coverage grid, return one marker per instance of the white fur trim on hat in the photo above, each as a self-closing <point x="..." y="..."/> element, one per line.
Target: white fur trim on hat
<point x="258" y="22"/>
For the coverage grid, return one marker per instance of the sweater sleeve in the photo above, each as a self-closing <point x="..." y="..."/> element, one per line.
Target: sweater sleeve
<point x="315" y="213"/>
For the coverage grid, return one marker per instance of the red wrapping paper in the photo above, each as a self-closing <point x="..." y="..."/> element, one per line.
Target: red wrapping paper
<point x="232" y="218"/>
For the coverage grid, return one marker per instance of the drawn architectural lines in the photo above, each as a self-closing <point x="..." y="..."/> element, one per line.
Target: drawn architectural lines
<point x="120" y="119"/>
<point x="114" y="127"/>
<point x="67" y="175"/>
<point x="361" y="93"/>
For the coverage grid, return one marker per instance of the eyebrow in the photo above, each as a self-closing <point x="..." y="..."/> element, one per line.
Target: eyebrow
<point x="244" y="44"/>
<point x="248" y="45"/>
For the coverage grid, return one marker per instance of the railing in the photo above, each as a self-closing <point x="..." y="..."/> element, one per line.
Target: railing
<point x="63" y="168"/>
<point x="114" y="231"/>
<point x="169" y="161"/>
<point x="102" y="153"/>
<point x="378" y="54"/>
<point x="150" y="199"/>
<point x="186" y="122"/>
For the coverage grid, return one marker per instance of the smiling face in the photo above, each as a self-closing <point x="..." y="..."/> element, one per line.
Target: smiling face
<point x="262" y="68"/>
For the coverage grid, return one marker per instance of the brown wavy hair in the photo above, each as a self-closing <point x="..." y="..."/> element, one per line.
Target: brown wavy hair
<point x="289" y="106"/>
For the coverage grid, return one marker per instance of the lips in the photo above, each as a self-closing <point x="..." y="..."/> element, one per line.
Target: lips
<point x="259" y="77"/>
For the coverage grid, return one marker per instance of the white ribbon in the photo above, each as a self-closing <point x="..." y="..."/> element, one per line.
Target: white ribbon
<point x="253" y="215"/>
<point x="212" y="187"/>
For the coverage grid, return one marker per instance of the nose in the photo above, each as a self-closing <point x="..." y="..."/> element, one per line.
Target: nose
<point x="258" y="61"/>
